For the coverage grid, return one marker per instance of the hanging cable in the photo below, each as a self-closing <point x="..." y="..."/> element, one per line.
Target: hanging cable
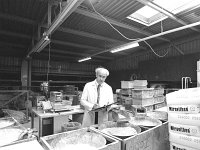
<point x="130" y="39"/>
<point x="155" y="52"/>
<point x="111" y="24"/>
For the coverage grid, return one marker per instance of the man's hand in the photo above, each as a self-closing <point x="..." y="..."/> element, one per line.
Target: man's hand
<point x="95" y="106"/>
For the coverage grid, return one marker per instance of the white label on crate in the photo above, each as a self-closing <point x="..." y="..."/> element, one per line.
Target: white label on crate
<point x="187" y="119"/>
<point x="186" y="140"/>
<point x="185" y="129"/>
<point x="174" y="146"/>
<point x="184" y="108"/>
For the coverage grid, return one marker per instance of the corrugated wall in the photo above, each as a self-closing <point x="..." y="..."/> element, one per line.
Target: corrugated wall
<point x="184" y="47"/>
<point x="61" y="67"/>
<point x="12" y="64"/>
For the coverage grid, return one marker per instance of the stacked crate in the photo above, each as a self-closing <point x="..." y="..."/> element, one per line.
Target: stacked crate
<point x="184" y="119"/>
<point x="149" y="98"/>
<point x="125" y="94"/>
<point x="143" y="97"/>
<point x="136" y="93"/>
<point x="159" y="98"/>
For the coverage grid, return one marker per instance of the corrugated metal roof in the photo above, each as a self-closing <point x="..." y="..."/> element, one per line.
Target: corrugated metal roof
<point x="84" y="31"/>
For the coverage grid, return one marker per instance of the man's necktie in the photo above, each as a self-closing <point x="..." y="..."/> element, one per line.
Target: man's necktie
<point x="98" y="93"/>
<point x="98" y="97"/>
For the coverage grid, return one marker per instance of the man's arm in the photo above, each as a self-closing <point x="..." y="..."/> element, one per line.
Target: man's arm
<point x="111" y="99"/>
<point x="84" y="99"/>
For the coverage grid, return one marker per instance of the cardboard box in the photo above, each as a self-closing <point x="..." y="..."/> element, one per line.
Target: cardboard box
<point x="189" y="109"/>
<point x="184" y="97"/>
<point x="174" y="146"/>
<point x="187" y="119"/>
<point x="184" y="129"/>
<point x="191" y="141"/>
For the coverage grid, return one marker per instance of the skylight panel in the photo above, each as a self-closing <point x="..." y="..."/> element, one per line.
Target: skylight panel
<point x="147" y="11"/>
<point x="172" y="5"/>
<point x="149" y="16"/>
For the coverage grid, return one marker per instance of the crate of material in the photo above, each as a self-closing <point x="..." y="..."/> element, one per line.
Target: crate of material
<point x="133" y="84"/>
<point x="127" y="84"/>
<point x="149" y="108"/>
<point x="143" y="102"/>
<point x="85" y="138"/>
<point x="126" y="100"/>
<point x="155" y="138"/>
<point x="143" y="93"/>
<point x="159" y="105"/>
<point x="159" y="99"/>
<point x="125" y="91"/>
<point x="158" y="92"/>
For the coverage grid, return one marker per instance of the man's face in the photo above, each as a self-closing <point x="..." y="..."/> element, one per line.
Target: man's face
<point x="101" y="77"/>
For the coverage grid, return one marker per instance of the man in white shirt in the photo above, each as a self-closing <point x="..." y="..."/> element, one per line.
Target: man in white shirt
<point x="96" y="94"/>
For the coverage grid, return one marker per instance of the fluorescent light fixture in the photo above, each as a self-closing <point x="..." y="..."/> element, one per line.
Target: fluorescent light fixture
<point x="125" y="47"/>
<point x="84" y="59"/>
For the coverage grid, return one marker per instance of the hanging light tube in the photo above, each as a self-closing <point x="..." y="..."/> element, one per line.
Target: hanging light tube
<point x="84" y="59"/>
<point x="152" y="36"/>
<point x="160" y="34"/>
<point x="125" y="47"/>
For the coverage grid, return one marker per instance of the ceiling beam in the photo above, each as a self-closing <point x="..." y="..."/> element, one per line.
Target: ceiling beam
<point x="165" y="12"/>
<point x="61" y="29"/>
<point x="76" y="45"/>
<point x="117" y="23"/>
<point x="53" y="41"/>
<point x="75" y="53"/>
<point x="89" y="35"/>
<point x="189" y="11"/>
<point x="61" y="17"/>
<point x="91" y="48"/>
